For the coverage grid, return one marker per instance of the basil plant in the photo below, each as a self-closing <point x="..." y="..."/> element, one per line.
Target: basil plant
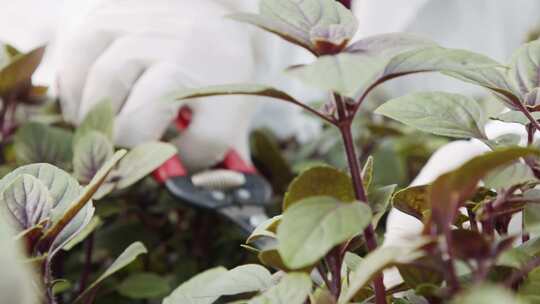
<point x="324" y="246"/>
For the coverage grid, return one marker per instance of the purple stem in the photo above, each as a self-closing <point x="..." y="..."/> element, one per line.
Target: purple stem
<point x="344" y="125"/>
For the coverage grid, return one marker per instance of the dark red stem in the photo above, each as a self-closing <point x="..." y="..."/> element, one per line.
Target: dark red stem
<point x="346" y="3"/>
<point x="89" y="249"/>
<point x="334" y="262"/>
<point x="344" y="125"/>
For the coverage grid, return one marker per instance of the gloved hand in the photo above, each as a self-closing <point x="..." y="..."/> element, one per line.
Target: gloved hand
<point x="137" y="52"/>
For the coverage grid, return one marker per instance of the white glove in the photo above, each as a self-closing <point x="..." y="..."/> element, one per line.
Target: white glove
<point x="137" y="52"/>
<point x="495" y="28"/>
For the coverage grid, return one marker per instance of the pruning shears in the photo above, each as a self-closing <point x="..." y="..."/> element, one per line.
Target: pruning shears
<point x="234" y="190"/>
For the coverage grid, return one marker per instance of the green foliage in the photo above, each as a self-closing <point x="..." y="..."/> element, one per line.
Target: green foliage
<point x="320" y="26"/>
<point x="236" y="89"/>
<point x="321" y="221"/>
<point x="319" y="181"/>
<point x="528" y="291"/>
<point x="91" y="152"/>
<point x="313" y="226"/>
<point x="141" y="161"/>
<point x="379" y="201"/>
<point x="439" y="113"/>
<point x="267" y="155"/>
<point x="516" y="117"/>
<point x="293" y="288"/>
<point x="524" y="71"/>
<point x="413" y="201"/>
<point x="322" y="247"/>
<point x="126" y="258"/>
<point x="211" y="284"/>
<point x="451" y="190"/>
<point x="28" y="199"/>
<point x="144" y="286"/>
<point x="352" y="74"/>
<point x="487" y="295"/>
<point x="39" y="143"/>
<point x="19" y="70"/>
<point x="266" y="229"/>
<point x="99" y="119"/>
<point x="374" y="263"/>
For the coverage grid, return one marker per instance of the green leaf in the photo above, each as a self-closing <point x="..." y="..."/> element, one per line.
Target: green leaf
<point x="271" y="258"/>
<point x="367" y="172"/>
<point x="71" y="220"/>
<point x="518" y="256"/>
<point x="504" y="140"/>
<point x="374" y="263"/>
<point x="379" y="201"/>
<point x="353" y="75"/>
<point x="486" y="294"/>
<point x="493" y="79"/>
<point x="438" y="59"/>
<point x="319" y="181"/>
<point x="270" y="159"/>
<point x="212" y="284"/>
<point x="532" y="99"/>
<point x="64" y="190"/>
<point x="141" y="161"/>
<point x="352" y="260"/>
<point x="144" y="286"/>
<point x="389" y="44"/>
<point x="529" y="290"/>
<point x="189" y="291"/>
<point x="265" y="229"/>
<point x="26" y="202"/>
<point x="100" y="118"/>
<point x="344" y="73"/>
<point x="235" y="89"/>
<point x="513" y="174"/>
<point x="305" y="23"/>
<point x="20" y="70"/>
<point x="60" y="286"/>
<point x="516" y="117"/>
<point x="5" y="54"/>
<point x="242" y="279"/>
<point x="422" y="271"/>
<point x="94" y="224"/>
<point x="62" y="187"/>
<point x="514" y="257"/>
<point x="450" y="190"/>
<point x="313" y="226"/>
<point x="293" y="288"/>
<point x="525" y="68"/>
<point x="414" y="201"/>
<point x="39" y="143"/>
<point x="91" y="152"/>
<point x="18" y="279"/>
<point x="321" y="296"/>
<point x="127" y="257"/>
<point x="439" y="113"/>
<point x="531" y="218"/>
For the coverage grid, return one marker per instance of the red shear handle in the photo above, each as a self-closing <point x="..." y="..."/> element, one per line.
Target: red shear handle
<point x="171" y="168"/>
<point x="233" y="161"/>
<point x="174" y="167"/>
